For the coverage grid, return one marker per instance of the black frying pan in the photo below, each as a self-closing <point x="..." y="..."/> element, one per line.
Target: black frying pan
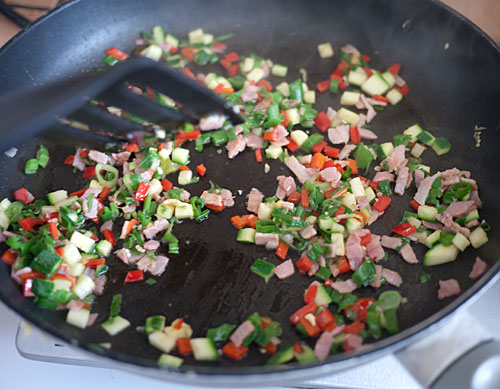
<point x="452" y="91"/>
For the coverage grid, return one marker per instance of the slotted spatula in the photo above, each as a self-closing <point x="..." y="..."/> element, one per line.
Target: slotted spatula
<point x="31" y="111"/>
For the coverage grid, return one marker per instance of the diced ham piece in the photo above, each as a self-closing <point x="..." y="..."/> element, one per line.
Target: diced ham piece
<point x="354" y="251"/>
<point x="212" y="199"/>
<point x="346" y="150"/>
<point x="349" y="49"/>
<point x="286" y="186"/>
<point x="461" y="208"/>
<point x="284" y="270"/>
<point x="366" y="134"/>
<point x="255" y="198"/>
<point x="92" y="319"/>
<point x="253" y="141"/>
<point x="147" y="175"/>
<point x="314" y="269"/>
<point x="378" y="276"/>
<point x="78" y="161"/>
<point x="448" y="288"/>
<point x="97" y="156"/>
<point x="474" y="196"/>
<point x="158" y="225"/>
<point x="374" y="215"/>
<point x="129" y="208"/>
<point x="75" y="305"/>
<point x="91" y="212"/>
<point x="29" y="196"/>
<point x="154" y="266"/>
<point x="88" y="192"/>
<point x="343" y="287"/>
<point x="152" y="245"/>
<point x="270" y="240"/>
<point x="472" y="223"/>
<point x="396" y="159"/>
<point x="432" y="225"/>
<point x="263" y="105"/>
<point x="478" y="269"/>
<point x="332" y="248"/>
<point x="419" y="176"/>
<point x="390" y="242"/>
<point x="402" y="180"/>
<point x="99" y="284"/>
<point x="363" y="202"/>
<point x="362" y="121"/>
<point x="392" y="277"/>
<point x="240" y="334"/>
<point x="370" y="113"/>
<point x="227" y="198"/>
<point x="353" y="342"/>
<point x="338" y="135"/>
<point x="124" y="255"/>
<point x="449" y="224"/>
<point x="212" y="122"/>
<point x="450" y="177"/>
<point x="251" y="92"/>
<point x="383" y="176"/>
<point x="399" y="81"/>
<point x="424" y="188"/>
<point x="374" y="249"/>
<point x="324" y="343"/>
<point x="298" y="169"/>
<point x="331" y="175"/>
<point x="234" y="147"/>
<point x="108" y="225"/>
<point x="308" y="232"/>
<point x="122" y="157"/>
<point x="408" y="255"/>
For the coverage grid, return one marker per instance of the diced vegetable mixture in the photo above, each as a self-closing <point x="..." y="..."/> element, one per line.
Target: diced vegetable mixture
<point x="314" y="224"/>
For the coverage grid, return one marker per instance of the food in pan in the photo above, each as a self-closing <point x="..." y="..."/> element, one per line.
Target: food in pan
<point x="336" y="182"/>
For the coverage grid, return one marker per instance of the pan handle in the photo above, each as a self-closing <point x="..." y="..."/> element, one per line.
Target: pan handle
<point x="460" y="354"/>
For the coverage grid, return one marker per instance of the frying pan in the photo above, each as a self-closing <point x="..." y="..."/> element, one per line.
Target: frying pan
<point x="452" y="91"/>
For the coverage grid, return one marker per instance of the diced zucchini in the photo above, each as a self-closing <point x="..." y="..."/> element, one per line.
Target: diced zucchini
<point x="61" y="284"/>
<point x="426" y="212"/>
<point x="433" y="238"/>
<point x="353" y="224"/>
<point x="184" y="211"/>
<point x="366" y="212"/>
<point x="310" y="97"/>
<point x="389" y="78"/>
<point x="349" y="200"/>
<point x="6" y="203"/>
<point x="357" y="187"/>
<point x="81" y="241"/>
<point x="166" y="360"/>
<point x="165" y="211"/>
<point x="83" y="286"/>
<point x="70" y="254"/>
<point x="204" y="349"/>
<point x="325" y="223"/>
<point x="349" y="98"/>
<point x="279" y="70"/>
<point x="180" y="155"/>
<point x="293" y="116"/>
<point x="155" y="187"/>
<point x="338" y="240"/>
<point x="4" y="220"/>
<point x="394" y="96"/>
<point x="322" y="296"/>
<point x="337" y="227"/>
<point x="307" y="355"/>
<point x="478" y="237"/>
<point x="158" y="35"/>
<point x="417" y="150"/>
<point x="161" y="341"/>
<point x="460" y="241"/>
<point x="385" y="149"/>
<point x="299" y="137"/>
<point x="185" y="177"/>
<point x="282" y="356"/>
<point x="473" y="215"/>
<point x="357" y="77"/>
<point x="115" y="325"/>
<point x="441" y="145"/>
<point x="263" y="268"/>
<point x="325" y="50"/>
<point x="273" y="152"/>
<point x="247" y="65"/>
<point x="78" y="318"/>
<point x="370" y="194"/>
<point x="246" y="235"/>
<point x="255" y="75"/>
<point x="284" y="89"/>
<point x="58" y="195"/>
<point x="104" y="247"/>
<point x="153" y="52"/>
<point x="164" y="153"/>
<point x="208" y="39"/>
<point x="196" y="36"/>
<point x="424" y="168"/>
<point x="415" y="222"/>
<point x="172" y="40"/>
<point x="440" y="254"/>
<point x="413" y="131"/>
<point x="77" y="269"/>
<point x="375" y="85"/>
<point x="154" y="323"/>
<point x="264" y="212"/>
<point x="348" y="116"/>
<point x="426" y="137"/>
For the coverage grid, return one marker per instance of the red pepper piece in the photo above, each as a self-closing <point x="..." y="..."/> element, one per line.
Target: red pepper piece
<point x="382" y="203"/>
<point x="134" y="276"/>
<point x="322" y="121"/>
<point x="404" y="229"/>
<point x="360" y="307"/>
<point x="309" y="308"/>
<point x="142" y="191"/>
<point x="234" y="352"/>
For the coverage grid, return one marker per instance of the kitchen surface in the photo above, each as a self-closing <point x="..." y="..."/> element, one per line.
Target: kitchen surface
<point x="63" y="368"/>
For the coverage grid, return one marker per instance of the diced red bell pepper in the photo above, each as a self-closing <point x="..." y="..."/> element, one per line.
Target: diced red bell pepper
<point x="354" y="133"/>
<point x="271" y="136"/>
<point x="271" y="347"/>
<point x="394" y="68"/>
<point x="214" y="207"/>
<point x="354" y="328"/>
<point x="310" y="294"/>
<point x="232" y="57"/>
<point x="188" y="135"/>
<point x="373" y="185"/>
<point x="134" y="276"/>
<point x="381" y="98"/>
<point x="234" y="352"/>
<point x="109" y="236"/>
<point x="327" y="164"/>
<point x="225" y="63"/>
<point x="318" y="147"/>
<point x="89" y="172"/>
<point x="219" y="46"/>
<point x="322" y="121"/>
<point x="265" y="322"/>
<point x="62" y="277"/>
<point x="233" y="70"/>
<point x="343" y="265"/>
<point x="29" y="222"/>
<point x="9" y="257"/>
<point x="84" y="153"/>
<point x="188" y="73"/>
<point x="292" y="146"/>
<point x="50" y="216"/>
<point x="69" y="160"/>
<point x="318" y="160"/>
<point x="382" y="203"/>
<point x="78" y="193"/>
<point x="331" y="152"/>
<point x="184" y="346"/>
<point x="133" y="148"/>
<point x="294" y="197"/>
<point x="116" y="53"/>
<point x="353" y="165"/>
<point x="258" y="155"/>
<point x="415" y="204"/>
<point x="366" y="239"/>
<point x="53" y="230"/>
<point x="309" y="308"/>
<point x="310" y="328"/>
<point x="238" y="222"/>
<point x="304" y="264"/>
<point x="325" y="318"/>
<point x="285" y="121"/>
<point x="323" y="86"/>
<point x="166" y="185"/>
<point x="404" y="90"/>
<point x="360" y="307"/>
<point x="404" y="229"/>
<point x="178" y="323"/>
<point x="201" y="169"/>
<point x="32" y="274"/>
<point x="266" y="85"/>
<point x="365" y="58"/>
<point x="93" y="263"/>
<point x="188" y="53"/>
<point x="304" y="198"/>
<point x="142" y="191"/>
<point x="282" y="250"/>
<point x="250" y="220"/>
<point x="297" y="348"/>
<point x="104" y="193"/>
<point x="368" y="71"/>
<point x="21" y="195"/>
